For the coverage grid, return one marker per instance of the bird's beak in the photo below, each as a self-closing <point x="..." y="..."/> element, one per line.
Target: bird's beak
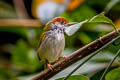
<point x="73" y="27"/>
<point x="71" y="23"/>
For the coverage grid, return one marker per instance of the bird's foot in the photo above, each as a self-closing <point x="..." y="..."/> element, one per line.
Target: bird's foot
<point x="50" y="67"/>
<point x="61" y="58"/>
<point x="64" y="57"/>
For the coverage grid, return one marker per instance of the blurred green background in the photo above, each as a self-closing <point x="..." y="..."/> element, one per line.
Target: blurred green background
<point x="18" y="44"/>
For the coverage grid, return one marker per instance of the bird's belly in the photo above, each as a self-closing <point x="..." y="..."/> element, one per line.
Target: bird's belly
<point x="52" y="48"/>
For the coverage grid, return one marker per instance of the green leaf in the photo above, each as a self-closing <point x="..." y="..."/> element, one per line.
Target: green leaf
<point x="76" y="77"/>
<point x="113" y="75"/>
<point x="100" y="18"/>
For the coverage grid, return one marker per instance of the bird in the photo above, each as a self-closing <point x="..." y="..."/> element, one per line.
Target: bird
<point x="52" y="41"/>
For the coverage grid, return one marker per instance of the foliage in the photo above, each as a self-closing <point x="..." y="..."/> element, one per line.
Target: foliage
<point x="113" y="74"/>
<point x="76" y="77"/>
<point x="18" y="45"/>
<point x="100" y="18"/>
<point x="79" y="14"/>
<point x="6" y="10"/>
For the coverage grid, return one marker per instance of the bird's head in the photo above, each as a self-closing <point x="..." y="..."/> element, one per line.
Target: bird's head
<point x="58" y="22"/>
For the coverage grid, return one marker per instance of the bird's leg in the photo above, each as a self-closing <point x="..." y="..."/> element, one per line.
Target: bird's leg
<point x="48" y="65"/>
<point x="61" y="58"/>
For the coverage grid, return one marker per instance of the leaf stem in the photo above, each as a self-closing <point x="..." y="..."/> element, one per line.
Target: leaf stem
<point x="117" y="54"/>
<point x="115" y="29"/>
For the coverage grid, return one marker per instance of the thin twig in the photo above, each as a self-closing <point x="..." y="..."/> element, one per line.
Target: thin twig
<point x="20" y="9"/>
<point x="117" y="54"/>
<point x="19" y="23"/>
<point x="75" y="56"/>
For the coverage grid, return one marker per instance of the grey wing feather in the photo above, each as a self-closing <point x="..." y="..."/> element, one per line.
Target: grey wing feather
<point x="41" y="39"/>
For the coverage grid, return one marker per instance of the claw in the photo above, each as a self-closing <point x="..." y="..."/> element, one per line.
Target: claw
<point x="57" y="60"/>
<point x="62" y="58"/>
<point x="50" y="67"/>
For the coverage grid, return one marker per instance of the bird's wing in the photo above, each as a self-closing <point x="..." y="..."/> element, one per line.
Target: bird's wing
<point x="42" y="37"/>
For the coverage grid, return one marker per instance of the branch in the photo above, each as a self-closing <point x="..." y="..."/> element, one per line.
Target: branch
<point x="20" y="9"/>
<point x="19" y="23"/>
<point x="75" y="56"/>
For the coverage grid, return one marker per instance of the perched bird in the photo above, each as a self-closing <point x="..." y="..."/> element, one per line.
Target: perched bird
<point x="52" y="41"/>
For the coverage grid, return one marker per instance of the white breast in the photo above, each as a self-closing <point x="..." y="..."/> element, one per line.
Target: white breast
<point x="52" y="47"/>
